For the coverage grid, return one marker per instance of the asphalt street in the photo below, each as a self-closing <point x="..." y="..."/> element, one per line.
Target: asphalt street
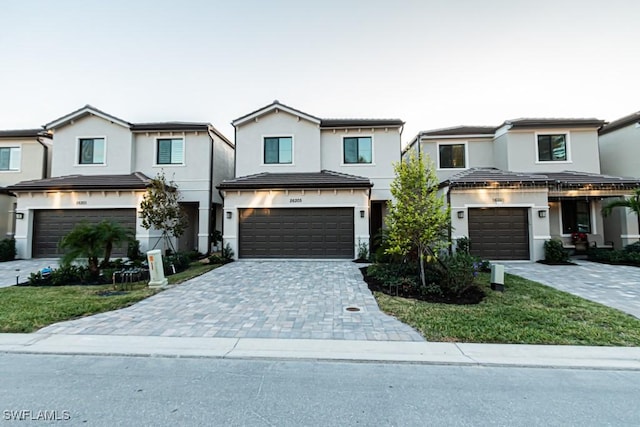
<point x="115" y="390"/>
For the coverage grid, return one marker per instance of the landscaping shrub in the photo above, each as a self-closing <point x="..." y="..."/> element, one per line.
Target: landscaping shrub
<point x="65" y="275"/>
<point x="555" y="253"/>
<point x="460" y="270"/>
<point x="633" y="247"/>
<point x="133" y="251"/>
<point x="176" y="263"/>
<point x="363" y="251"/>
<point x="7" y="249"/>
<point x="463" y="244"/>
<point x="623" y="257"/>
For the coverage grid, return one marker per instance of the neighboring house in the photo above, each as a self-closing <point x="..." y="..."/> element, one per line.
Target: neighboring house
<point x="619" y="153"/>
<point x="24" y="154"/>
<point x="512" y="187"/>
<point x="100" y="169"/>
<point x="307" y="187"/>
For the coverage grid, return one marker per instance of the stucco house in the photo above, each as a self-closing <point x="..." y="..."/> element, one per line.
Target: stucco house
<point x="100" y="169"/>
<point x="514" y="186"/>
<point x="619" y="143"/>
<point x="307" y="187"/>
<point x="24" y="154"/>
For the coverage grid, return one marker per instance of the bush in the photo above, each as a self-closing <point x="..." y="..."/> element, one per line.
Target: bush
<point x="176" y="263"/>
<point x="633" y="247"/>
<point x="460" y="270"/>
<point x="133" y="251"/>
<point x="363" y="251"/>
<point x="7" y="249"/>
<point x="624" y="257"/>
<point x="554" y="252"/>
<point x="63" y="276"/>
<point x="463" y="244"/>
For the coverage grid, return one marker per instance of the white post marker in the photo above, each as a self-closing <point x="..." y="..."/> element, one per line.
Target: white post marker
<point x="156" y="269"/>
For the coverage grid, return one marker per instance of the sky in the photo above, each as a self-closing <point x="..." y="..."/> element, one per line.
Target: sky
<point x="433" y="64"/>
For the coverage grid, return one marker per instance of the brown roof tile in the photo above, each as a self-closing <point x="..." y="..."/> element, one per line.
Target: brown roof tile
<point x="526" y="123"/>
<point x="134" y="181"/>
<point x="324" y="179"/>
<point x="621" y="122"/>
<point x="342" y="123"/>
<point x="24" y="133"/>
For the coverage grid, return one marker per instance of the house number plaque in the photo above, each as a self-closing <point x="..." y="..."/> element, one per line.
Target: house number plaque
<point x="296" y="200"/>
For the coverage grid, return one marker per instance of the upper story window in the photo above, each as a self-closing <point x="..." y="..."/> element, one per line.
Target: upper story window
<point x="451" y="156"/>
<point x="552" y="148"/>
<point x="278" y="150"/>
<point x="9" y="158"/>
<point x="170" y="151"/>
<point x="91" y="151"/>
<point x="358" y="150"/>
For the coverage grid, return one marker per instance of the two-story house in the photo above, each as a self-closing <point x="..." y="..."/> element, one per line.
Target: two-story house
<point x="24" y="154"/>
<point x="512" y="187"/>
<point x="100" y="169"/>
<point x="619" y="153"/>
<point x="307" y="187"/>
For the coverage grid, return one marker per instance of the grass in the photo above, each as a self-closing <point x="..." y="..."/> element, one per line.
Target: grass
<point x="27" y="309"/>
<point x="526" y="313"/>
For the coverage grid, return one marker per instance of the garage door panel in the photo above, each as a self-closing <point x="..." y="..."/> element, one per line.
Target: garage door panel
<point x="297" y="233"/>
<point x="499" y="233"/>
<point x="51" y="225"/>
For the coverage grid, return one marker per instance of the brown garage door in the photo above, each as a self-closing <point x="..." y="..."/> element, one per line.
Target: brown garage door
<point x="296" y="233"/>
<point x="49" y="226"/>
<point x="499" y="233"/>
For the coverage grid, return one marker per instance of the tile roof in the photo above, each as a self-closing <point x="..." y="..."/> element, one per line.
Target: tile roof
<point x="526" y="123"/>
<point x="489" y="176"/>
<point x="24" y="133"/>
<point x="134" y="181"/>
<point x="324" y="179"/>
<point x="342" y="123"/>
<point x="461" y="130"/>
<point x="621" y="122"/>
<point x="170" y="126"/>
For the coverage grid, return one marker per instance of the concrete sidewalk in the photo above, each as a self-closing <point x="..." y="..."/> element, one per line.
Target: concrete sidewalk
<point x="519" y="355"/>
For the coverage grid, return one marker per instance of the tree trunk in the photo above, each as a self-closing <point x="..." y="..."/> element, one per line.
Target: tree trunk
<point x="423" y="279"/>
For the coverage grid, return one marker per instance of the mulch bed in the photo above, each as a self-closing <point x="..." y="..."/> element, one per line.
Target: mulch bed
<point x="472" y="295"/>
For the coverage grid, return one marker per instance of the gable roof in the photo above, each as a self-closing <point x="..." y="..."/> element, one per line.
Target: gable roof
<point x="493" y="177"/>
<point x="25" y="133"/>
<point x="83" y="112"/>
<point x="274" y="106"/>
<point x="633" y="118"/>
<point x="461" y="131"/>
<point x="323" y="179"/>
<point x="360" y="123"/>
<point x="528" y="123"/>
<point x="134" y="181"/>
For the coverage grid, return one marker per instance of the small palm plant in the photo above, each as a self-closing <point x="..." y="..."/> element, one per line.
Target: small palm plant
<point x="633" y="203"/>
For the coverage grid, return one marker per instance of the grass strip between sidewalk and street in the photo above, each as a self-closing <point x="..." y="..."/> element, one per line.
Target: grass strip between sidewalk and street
<point x="526" y="313"/>
<point x="27" y="309"/>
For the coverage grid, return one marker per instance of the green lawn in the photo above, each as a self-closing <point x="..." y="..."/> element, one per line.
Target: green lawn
<point x="27" y="309"/>
<point x="526" y="313"/>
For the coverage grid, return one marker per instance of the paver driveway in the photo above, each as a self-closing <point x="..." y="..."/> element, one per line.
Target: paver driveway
<point x="256" y="299"/>
<point x="616" y="286"/>
<point x="22" y="268"/>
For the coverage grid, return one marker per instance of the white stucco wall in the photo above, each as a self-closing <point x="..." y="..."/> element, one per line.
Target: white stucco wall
<point x="620" y="151"/>
<point x="118" y="148"/>
<point x="478" y="153"/>
<point x="234" y="200"/>
<point x="250" y="144"/>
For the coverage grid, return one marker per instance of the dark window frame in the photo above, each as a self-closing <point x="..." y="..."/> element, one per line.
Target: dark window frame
<point x="450" y="156"/>
<point x="9" y="157"/>
<point x="359" y="158"/>
<point x="546" y="142"/>
<point x="84" y="151"/>
<point x="576" y="216"/>
<point x="278" y="152"/>
<point x="171" y="160"/>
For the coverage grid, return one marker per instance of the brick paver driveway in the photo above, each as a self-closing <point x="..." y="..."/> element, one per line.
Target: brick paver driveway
<point x="616" y="286"/>
<point x="256" y="299"/>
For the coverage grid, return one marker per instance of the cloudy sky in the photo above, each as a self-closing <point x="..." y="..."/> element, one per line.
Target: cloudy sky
<point x="431" y="63"/>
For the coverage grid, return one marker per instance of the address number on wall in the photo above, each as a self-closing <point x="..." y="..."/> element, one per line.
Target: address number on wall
<point x="295" y="200"/>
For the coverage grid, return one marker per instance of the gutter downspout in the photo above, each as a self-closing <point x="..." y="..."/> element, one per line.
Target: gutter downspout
<point x="211" y="222"/>
<point x="45" y="169"/>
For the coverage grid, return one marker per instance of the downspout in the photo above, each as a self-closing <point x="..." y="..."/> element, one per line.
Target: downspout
<point x="212" y="222"/>
<point x="45" y="169"/>
<point x="449" y="206"/>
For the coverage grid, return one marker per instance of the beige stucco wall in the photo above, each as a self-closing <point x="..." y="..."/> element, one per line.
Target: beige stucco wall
<point x="478" y="153"/>
<point x="118" y="148"/>
<point x="250" y="144"/>
<point x="582" y="151"/>
<point x="7" y="216"/>
<point x="533" y="199"/>
<point x="32" y="161"/>
<point x="358" y="199"/>
<point x="620" y="151"/>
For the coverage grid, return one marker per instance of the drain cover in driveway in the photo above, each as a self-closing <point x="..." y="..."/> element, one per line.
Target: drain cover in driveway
<point x="353" y="309"/>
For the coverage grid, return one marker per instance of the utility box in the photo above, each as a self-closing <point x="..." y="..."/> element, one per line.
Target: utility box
<point x="156" y="269"/>
<point x="497" y="277"/>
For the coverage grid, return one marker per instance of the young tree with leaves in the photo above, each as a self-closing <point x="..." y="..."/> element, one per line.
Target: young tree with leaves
<point x="160" y="209"/>
<point x="418" y="218"/>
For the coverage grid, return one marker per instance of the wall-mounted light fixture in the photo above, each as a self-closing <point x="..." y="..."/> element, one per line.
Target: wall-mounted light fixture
<point x="498" y="200"/>
<point x="361" y="214"/>
<point x="19" y="215"/>
<point x="460" y="214"/>
<point x="542" y="213"/>
<point x="229" y="214"/>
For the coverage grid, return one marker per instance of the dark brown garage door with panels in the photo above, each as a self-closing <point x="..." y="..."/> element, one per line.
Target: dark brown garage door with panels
<point x="49" y="226"/>
<point x="499" y="233"/>
<point x="296" y="233"/>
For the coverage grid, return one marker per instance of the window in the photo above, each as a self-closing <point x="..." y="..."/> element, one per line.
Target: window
<point x="452" y="156"/>
<point x="278" y="150"/>
<point x="358" y="150"/>
<point x="576" y="216"/>
<point x="10" y="158"/>
<point x="170" y="151"/>
<point x="552" y="148"/>
<point x="91" y="151"/>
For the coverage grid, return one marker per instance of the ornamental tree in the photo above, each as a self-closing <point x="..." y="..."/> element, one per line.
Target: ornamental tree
<point x="160" y="209"/>
<point x="418" y="218"/>
<point x="632" y="203"/>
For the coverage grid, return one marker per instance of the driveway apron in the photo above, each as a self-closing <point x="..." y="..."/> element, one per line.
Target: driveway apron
<point x="616" y="286"/>
<point x="256" y="299"/>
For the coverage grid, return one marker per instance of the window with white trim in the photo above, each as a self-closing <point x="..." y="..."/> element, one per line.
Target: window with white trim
<point x="91" y="151"/>
<point x="170" y="151"/>
<point x="358" y="149"/>
<point x="451" y="156"/>
<point x="10" y="158"/>
<point x="278" y="150"/>
<point x="552" y="148"/>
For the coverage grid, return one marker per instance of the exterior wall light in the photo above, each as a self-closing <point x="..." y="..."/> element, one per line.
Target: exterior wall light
<point x="542" y="214"/>
<point x="361" y="214"/>
<point x="460" y="214"/>
<point x="229" y="214"/>
<point x="19" y="215"/>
